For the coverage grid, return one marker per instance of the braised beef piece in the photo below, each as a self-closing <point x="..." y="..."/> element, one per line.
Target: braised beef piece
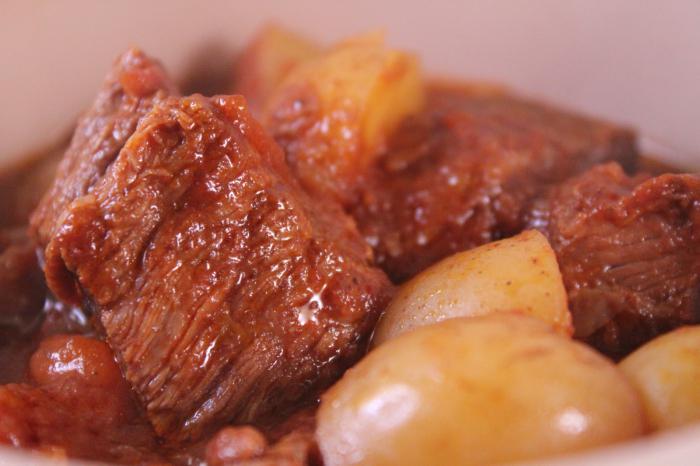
<point x="224" y="290"/>
<point x="461" y="174"/>
<point x="129" y="91"/>
<point x="629" y="252"/>
<point x="76" y="404"/>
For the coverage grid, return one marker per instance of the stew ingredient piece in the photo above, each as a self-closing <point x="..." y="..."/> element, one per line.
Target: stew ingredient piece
<point x="246" y="446"/>
<point x="461" y="174"/>
<point x="266" y="60"/>
<point x="333" y="113"/>
<point x="629" y="252"/>
<point x="79" y="406"/>
<point x="225" y="291"/>
<point x="129" y="91"/>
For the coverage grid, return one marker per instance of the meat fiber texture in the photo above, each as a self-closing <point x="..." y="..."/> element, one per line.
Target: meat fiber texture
<point x="129" y="91"/>
<point x="224" y="290"/>
<point x="462" y="173"/>
<point x="629" y="252"/>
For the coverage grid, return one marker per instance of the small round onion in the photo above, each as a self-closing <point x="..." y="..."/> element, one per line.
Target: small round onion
<point x="666" y="372"/>
<point x="477" y="390"/>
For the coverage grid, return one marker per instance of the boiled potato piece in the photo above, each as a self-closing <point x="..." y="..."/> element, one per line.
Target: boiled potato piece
<point x="267" y="60"/>
<point x="478" y="390"/>
<point x="517" y="274"/>
<point x="333" y="114"/>
<point x="666" y="372"/>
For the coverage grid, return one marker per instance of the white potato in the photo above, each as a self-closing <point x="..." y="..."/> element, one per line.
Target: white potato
<point x="367" y="83"/>
<point x="264" y="63"/>
<point x="334" y="113"/>
<point x="518" y="274"/>
<point x="478" y="390"/>
<point x="666" y="372"/>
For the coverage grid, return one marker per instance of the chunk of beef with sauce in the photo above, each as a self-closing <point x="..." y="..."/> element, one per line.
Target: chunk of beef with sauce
<point x="129" y="91"/>
<point x="461" y="174"/>
<point x="76" y="404"/>
<point x="225" y="291"/>
<point x="629" y="251"/>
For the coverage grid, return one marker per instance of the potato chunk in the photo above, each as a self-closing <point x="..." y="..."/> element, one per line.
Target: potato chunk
<point x="517" y="274"/>
<point x="666" y="372"/>
<point x="475" y="391"/>
<point x="267" y="60"/>
<point x="334" y="113"/>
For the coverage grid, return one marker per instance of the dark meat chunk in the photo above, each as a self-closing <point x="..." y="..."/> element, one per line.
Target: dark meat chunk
<point x="629" y="251"/>
<point x="225" y="291"/>
<point x="132" y="87"/>
<point x="462" y="173"/>
<point x="78" y="406"/>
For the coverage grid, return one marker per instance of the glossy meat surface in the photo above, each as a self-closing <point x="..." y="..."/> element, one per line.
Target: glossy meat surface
<point x="461" y="174"/>
<point x="629" y="251"/>
<point x="129" y="91"/>
<point x="224" y="290"/>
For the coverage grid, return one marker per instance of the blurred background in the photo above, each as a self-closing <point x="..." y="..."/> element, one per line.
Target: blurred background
<point x="637" y="62"/>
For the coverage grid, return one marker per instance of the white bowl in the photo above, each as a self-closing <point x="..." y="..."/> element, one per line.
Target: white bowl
<point x="625" y="60"/>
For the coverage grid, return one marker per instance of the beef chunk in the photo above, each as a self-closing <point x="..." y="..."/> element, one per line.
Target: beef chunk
<point x="629" y="251"/>
<point x="461" y="174"/>
<point x="127" y="94"/>
<point x="224" y="290"/>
